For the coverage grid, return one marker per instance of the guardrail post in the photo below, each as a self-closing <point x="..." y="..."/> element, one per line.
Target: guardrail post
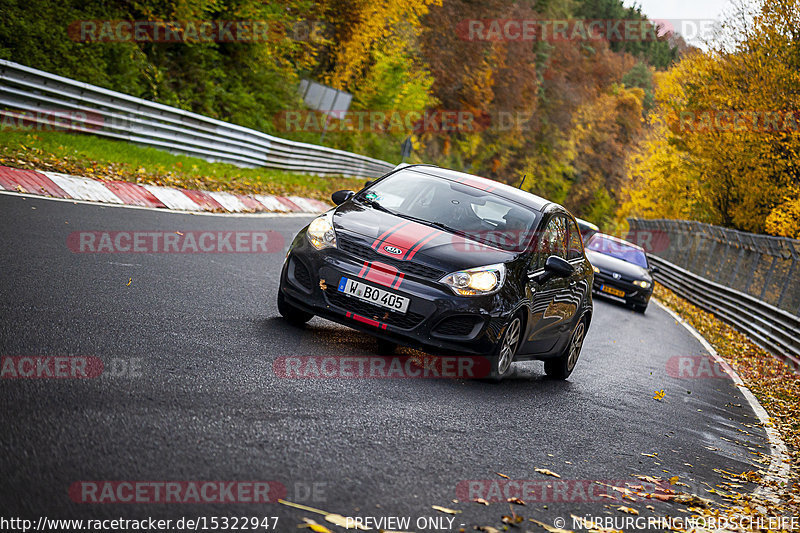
<point x="769" y="276"/>
<point x="703" y="244"/>
<point x="691" y="238"/>
<point x="753" y="267"/>
<point x="718" y="273"/>
<point x="787" y="281"/>
<point x="708" y="259"/>
<point x="738" y="264"/>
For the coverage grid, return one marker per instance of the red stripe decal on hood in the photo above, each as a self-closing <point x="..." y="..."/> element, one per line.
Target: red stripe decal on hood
<point x="387" y="232"/>
<point x="422" y="243"/>
<point x="404" y="239"/>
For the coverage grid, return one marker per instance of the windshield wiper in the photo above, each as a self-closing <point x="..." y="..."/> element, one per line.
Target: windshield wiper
<point x="440" y="225"/>
<point x="435" y="224"/>
<point x="375" y="205"/>
<point x="445" y="227"/>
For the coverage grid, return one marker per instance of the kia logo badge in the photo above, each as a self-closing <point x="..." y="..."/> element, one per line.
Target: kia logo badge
<point x="393" y="250"/>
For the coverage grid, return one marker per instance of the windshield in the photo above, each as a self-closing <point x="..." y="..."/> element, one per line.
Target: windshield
<point x="618" y="249"/>
<point x="456" y="207"/>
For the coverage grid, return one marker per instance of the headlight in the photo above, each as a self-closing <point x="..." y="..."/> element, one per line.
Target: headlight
<point x="642" y="284"/>
<point x="320" y="232"/>
<point x="596" y="270"/>
<point x="476" y="281"/>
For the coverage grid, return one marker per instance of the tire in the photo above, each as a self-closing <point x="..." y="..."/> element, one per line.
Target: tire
<point x="292" y="314"/>
<point x="500" y="363"/>
<point x="562" y="366"/>
<point x="386" y="347"/>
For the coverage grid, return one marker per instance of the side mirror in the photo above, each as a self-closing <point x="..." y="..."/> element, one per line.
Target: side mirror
<point x="558" y="267"/>
<point x="654" y="269"/>
<point x="555" y="267"/>
<point x="340" y="197"/>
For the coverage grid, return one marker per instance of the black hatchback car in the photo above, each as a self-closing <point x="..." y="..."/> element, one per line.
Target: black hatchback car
<point x="446" y="262"/>
<point x="621" y="270"/>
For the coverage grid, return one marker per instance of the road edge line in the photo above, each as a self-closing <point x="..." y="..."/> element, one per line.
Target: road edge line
<point x="779" y="466"/>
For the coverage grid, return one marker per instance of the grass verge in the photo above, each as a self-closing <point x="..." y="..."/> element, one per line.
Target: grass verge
<point x="95" y="157"/>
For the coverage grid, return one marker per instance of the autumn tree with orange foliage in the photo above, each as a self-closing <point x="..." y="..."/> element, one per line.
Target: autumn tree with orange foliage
<point x="724" y="140"/>
<point x="565" y="113"/>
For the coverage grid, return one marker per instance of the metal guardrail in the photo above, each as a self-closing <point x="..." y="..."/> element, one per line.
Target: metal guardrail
<point x="771" y="328"/>
<point x="749" y="281"/>
<point x="762" y="266"/>
<point x="119" y="116"/>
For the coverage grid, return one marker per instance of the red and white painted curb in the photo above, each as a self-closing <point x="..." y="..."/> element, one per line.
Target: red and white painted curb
<point x="59" y="185"/>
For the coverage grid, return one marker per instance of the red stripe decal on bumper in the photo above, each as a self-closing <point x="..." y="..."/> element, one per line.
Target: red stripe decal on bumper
<point x="399" y="280"/>
<point x="381" y="274"/>
<point x="365" y="320"/>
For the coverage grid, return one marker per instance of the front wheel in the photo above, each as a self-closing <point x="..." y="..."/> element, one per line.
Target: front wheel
<point x="292" y="314"/>
<point x="501" y="363"/>
<point x="562" y="366"/>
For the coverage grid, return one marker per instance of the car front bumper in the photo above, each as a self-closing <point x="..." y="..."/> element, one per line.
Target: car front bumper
<point x="630" y="293"/>
<point x="436" y="319"/>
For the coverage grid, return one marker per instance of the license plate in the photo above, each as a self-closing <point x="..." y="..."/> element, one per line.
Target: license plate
<point x="374" y="295"/>
<point x="611" y="290"/>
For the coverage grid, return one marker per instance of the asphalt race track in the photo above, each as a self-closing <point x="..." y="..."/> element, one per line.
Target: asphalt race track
<point x="190" y="393"/>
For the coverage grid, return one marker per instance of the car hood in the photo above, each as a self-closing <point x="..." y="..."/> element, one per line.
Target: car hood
<point x="608" y="263"/>
<point x="400" y="239"/>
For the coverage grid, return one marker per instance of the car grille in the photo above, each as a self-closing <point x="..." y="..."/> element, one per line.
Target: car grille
<point x="302" y="275"/>
<point x="407" y="321"/>
<point x="624" y="284"/>
<point x="365" y="252"/>
<point x="457" y="325"/>
<point x="608" y="276"/>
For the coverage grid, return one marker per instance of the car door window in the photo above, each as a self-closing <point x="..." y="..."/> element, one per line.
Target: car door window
<point x="575" y="248"/>
<point x="553" y="241"/>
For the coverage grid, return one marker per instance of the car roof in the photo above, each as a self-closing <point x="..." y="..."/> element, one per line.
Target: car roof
<point x="494" y="187"/>
<point x="617" y="240"/>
